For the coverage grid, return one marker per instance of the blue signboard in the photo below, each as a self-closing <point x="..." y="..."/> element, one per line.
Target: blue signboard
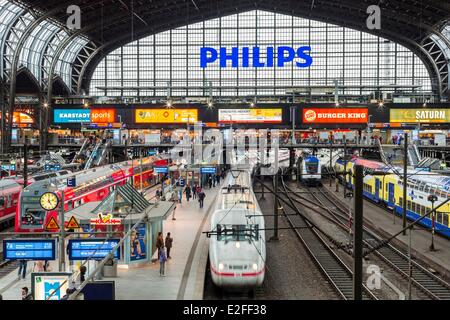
<point x="52" y="167"/>
<point x="8" y="167"/>
<point x="152" y="152"/>
<point x="208" y="170"/>
<point x="161" y="170"/>
<point x="72" y="116"/>
<point x="72" y="182"/>
<point x="98" y="249"/>
<point x="29" y="249"/>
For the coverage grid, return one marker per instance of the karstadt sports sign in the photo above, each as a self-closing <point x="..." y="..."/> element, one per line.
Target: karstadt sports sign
<point x="335" y="115"/>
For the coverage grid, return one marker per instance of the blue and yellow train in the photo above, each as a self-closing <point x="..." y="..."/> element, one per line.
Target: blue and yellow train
<point x="387" y="189"/>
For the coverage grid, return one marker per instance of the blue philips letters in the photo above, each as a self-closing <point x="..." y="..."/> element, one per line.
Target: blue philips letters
<point x="255" y="57"/>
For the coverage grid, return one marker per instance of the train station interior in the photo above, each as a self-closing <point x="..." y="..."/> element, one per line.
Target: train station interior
<point x="214" y="150"/>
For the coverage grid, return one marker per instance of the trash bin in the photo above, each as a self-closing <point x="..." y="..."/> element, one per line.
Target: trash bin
<point x="110" y="269"/>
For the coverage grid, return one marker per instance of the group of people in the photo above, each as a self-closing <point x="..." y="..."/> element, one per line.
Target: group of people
<point x="397" y="139"/>
<point x="164" y="246"/>
<point x="196" y="192"/>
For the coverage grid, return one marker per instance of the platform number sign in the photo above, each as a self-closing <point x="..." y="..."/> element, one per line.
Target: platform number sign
<point x="72" y="182"/>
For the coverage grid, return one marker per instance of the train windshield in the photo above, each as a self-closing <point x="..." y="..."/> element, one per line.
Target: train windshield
<point x="312" y="167"/>
<point x="244" y="232"/>
<point x="33" y="218"/>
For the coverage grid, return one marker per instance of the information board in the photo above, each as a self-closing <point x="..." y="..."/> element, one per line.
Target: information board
<point x="161" y="170"/>
<point x="98" y="249"/>
<point x="30" y="249"/>
<point x="208" y="170"/>
<point x="49" y="286"/>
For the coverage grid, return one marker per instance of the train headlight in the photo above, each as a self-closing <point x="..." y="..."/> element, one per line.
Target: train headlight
<point x="221" y="266"/>
<point x="238" y="245"/>
<point x="255" y="266"/>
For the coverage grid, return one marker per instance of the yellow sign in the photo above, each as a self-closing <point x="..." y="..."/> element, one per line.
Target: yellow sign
<point x="106" y="220"/>
<point x="166" y="116"/>
<point x="73" y="224"/>
<point x="251" y="115"/>
<point x="52" y="225"/>
<point x="420" y="115"/>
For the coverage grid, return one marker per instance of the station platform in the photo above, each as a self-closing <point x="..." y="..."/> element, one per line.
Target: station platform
<point x="384" y="223"/>
<point x="185" y="272"/>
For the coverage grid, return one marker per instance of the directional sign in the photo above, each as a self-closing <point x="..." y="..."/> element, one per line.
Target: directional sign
<point x="161" y="170"/>
<point x="73" y="223"/>
<point x="52" y="167"/>
<point x="208" y="170"/>
<point x="72" y="182"/>
<point x="52" y="225"/>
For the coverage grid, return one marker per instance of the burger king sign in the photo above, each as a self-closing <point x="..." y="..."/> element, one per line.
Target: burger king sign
<point x="335" y="115"/>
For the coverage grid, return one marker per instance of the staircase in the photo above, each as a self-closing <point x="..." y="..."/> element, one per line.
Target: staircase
<point x="132" y="196"/>
<point x="81" y="151"/>
<point x="92" y="157"/>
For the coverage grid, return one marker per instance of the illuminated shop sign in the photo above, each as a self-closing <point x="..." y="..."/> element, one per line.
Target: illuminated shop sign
<point x="72" y="115"/>
<point x="250" y="115"/>
<point x="335" y="115"/>
<point x="106" y="220"/>
<point x="103" y="115"/>
<point x="256" y="57"/>
<point x="22" y="118"/>
<point x="166" y="116"/>
<point x="420" y="115"/>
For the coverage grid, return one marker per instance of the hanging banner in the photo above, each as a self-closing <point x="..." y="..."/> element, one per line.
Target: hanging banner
<point x="166" y="116"/>
<point x="420" y="115"/>
<point x="335" y="115"/>
<point x="251" y="115"/>
<point x="72" y="116"/>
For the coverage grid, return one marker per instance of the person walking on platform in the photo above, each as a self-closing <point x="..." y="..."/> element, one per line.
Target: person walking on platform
<point x="168" y="243"/>
<point x="187" y="190"/>
<point x="210" y="182"/>
<point x="158" y="195"/>
<point x="201" y="198"/>
<point x="218" y="176"/>
<point x="162" y="261"/>
<point x="194" y="191"/>
<point x="159" y="243"/>
<point x="22" y="268"/>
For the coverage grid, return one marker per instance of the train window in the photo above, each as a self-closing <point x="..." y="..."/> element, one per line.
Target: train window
<point x="439" y="217"/>
<point x="400" y="201"/>
<point x="445" y="219"/>
<point x="408" y="205"/>
<point x="2" y="202"/>
<point x="413" y="207"/>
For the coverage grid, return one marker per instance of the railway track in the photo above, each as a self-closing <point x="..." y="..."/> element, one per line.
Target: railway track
<point x="334" y="269"/>
<point x="423" y="279"/>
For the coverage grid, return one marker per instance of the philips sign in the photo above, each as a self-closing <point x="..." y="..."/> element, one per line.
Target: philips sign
<point x="246" y="57"/>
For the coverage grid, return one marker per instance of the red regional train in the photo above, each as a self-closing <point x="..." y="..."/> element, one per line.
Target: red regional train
<point x="90" y="185"/>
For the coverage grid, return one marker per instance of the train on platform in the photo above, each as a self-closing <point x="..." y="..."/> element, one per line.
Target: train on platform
<point x="10" y="188"/>
<point x="310" y="171"/>
<point x="384" y="185"/>
<point x="85" y="186"/>
<point x="237" y="249"/>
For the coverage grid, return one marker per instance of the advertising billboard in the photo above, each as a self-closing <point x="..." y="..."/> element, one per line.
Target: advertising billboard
<point x="49" y="286"/>
<point x="29" y="249"/>
<point x="420" y="115"/>
<point x="72" y="116"/>
<point x="103" y="115"/>
<point x="166" y="115"/>
<point x="251" y="115"/>
<point x="138" y="239"/>
<point x="335" y="115"/>
<point x="22" y="118"/>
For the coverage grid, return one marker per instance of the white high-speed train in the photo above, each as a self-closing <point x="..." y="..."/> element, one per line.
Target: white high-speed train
<point x="237" y="249"/>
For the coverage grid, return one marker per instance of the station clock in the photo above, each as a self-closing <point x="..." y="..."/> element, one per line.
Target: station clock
<point x="49" y="201"/>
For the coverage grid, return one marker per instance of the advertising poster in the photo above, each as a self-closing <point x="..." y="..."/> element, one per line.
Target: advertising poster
<point x="103" y="115"/>
<point x="250" y="115"/>
<point x="72" y="116"/>
<point x="420" y="115"/>
<point x="166" y="115"/>
<point x="138" y="238"/>
<point x="49" y="286"/>
<point x="335" y="115"/>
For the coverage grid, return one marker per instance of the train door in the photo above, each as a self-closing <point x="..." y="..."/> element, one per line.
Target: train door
<point x="391" y="196"/>
<point x="377" y="190"/>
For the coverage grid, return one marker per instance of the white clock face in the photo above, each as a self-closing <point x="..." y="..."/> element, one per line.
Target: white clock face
<point x="49" y="201"/>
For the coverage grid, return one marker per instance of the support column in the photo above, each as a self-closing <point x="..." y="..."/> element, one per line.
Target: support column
<point x="358" y="234"/>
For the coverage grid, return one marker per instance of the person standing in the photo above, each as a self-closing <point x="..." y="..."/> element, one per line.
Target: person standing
<point x="162" y="261"/>
<point x="168" y="243"/>
<point x="210" y="182"/>
<point x="159" y="243"/>
<point x="25" y="294"/>
<point x="218" y="179"/>
<point x="201" y="198"/>
<point x="22" y="268"/>
<point x="187" y="190"/>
